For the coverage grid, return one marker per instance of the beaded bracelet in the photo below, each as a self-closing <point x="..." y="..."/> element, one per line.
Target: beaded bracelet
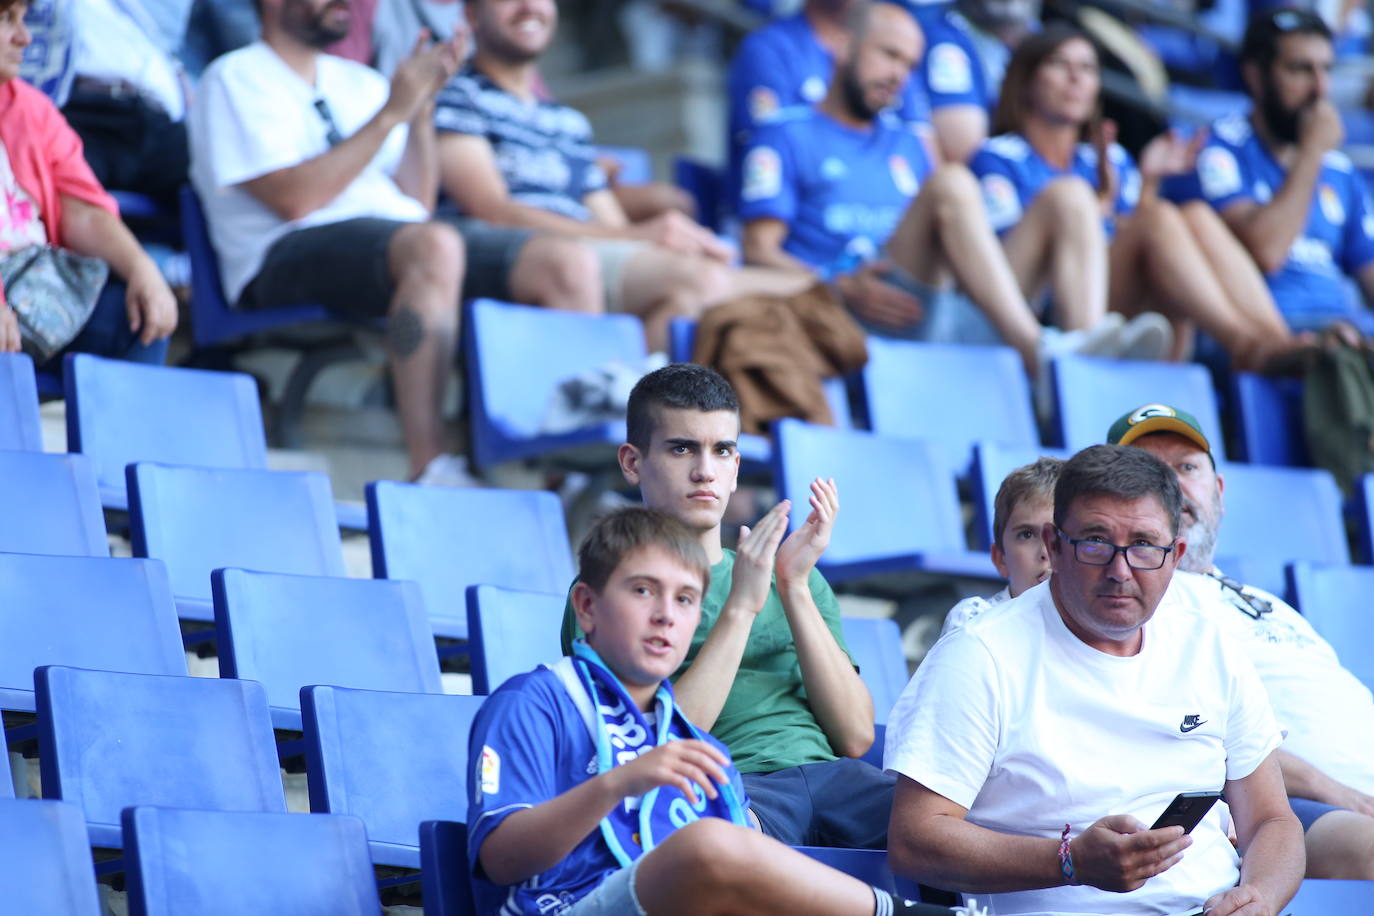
<point x="1066" y="858"/>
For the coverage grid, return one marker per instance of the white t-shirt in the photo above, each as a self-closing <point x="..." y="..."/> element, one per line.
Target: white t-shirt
<point x="253" y="115"/>
<point x="1017" y="720"/>
<point x="1327" y="712"/>
<point x="112" y="45"/>
<point x="972" y="607"/>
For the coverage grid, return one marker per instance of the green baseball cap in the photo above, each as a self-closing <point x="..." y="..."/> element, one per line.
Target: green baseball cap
<point x="1157" y="418"/>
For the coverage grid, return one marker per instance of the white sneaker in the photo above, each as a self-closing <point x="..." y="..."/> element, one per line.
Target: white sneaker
<point x="446" y="470"/>
<point x="1103" y="338"/>
<point x="1147" y="336"/>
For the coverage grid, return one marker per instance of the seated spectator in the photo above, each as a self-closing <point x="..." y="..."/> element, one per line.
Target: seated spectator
<point x="767" y="671"/>
<point x="53" y="199"/>
<point x="1279" y="180"/>
<point x="1327" y="757"/>
<point x="319" y="182"/>
<point x="658" y="825"/>
<point x="1034" y="744"/>
<point x="1024" y="505"/>
<point x="512" y="158"/>
<point x="1183" y="264"/>
<point x="826" y="188"/>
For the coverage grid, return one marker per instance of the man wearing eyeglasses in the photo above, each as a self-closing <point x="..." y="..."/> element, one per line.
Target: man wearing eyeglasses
<point x="1327" y="757"/>
<point x="1035" y="744"/>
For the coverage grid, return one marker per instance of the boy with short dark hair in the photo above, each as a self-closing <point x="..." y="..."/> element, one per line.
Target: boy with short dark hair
<point x="767" y="671"/>
<point x="1023" y="505"/>
<point x="592" y="793"/>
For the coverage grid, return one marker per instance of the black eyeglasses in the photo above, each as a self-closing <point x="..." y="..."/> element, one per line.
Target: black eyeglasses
<point x="1100" y="553"/>
<point x="1252" y="606"/>
<point x="331" y="129"/>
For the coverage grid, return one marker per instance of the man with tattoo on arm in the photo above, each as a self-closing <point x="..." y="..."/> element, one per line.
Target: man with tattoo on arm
<point x="319" y="183"/>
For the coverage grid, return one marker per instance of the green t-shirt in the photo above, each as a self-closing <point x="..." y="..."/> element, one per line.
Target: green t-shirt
<point x="766" y="722"/>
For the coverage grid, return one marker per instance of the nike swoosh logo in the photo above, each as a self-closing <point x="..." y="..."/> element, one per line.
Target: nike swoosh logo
<point x="1187" y="728"/>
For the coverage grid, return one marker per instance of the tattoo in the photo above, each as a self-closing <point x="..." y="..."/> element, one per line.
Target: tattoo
<point x="404" y="332"/>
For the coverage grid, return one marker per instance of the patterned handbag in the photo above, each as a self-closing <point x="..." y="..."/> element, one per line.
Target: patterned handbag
<point x="53" y="292"/>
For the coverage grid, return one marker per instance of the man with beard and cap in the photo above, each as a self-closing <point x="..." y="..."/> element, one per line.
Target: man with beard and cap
<point x="319" y="180"/>
<point x="1280" y="182"/>
<point x="1328" y="757"/>
<point x="845" y="190"/>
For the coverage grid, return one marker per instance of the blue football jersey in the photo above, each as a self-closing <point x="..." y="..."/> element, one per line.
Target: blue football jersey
<point x="841" y="191"/>
<point x="953" y="70"/>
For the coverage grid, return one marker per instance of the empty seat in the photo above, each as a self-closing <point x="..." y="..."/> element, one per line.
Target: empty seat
<point x="899" y="505"/>
<point x="86" y="612"/>
<point x="45" y="861"/>
<point x="108" y="740"/>
<point x="221" y="863"/>
<point x="1092" y="392"/>
<point x="288" y="632"/>
<point x="875" y="644"/>
<point x="20" y="428"/>
<point x="517" y="356"/>
<point x="949" y="393"/>
<point x="200" y="519"/>
<point x="51" y="505"/>
<point x="393" y="759"/>
<point x="1335" y="599"/>
<point x="447" y="539"/>
<point x="511" y="632"/>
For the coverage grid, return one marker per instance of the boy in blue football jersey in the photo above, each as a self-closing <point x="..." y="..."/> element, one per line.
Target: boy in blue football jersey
<point x="593" y="794"/>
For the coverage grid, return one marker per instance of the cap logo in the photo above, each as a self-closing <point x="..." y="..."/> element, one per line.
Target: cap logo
<point x="1151" y="410"/>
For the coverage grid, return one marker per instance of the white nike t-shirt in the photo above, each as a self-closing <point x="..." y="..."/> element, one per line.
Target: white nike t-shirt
<point x="1017" y="720"/>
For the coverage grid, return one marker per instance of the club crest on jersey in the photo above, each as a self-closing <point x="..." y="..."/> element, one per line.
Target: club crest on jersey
<point x="902" y="175"/>
<point x="762" y="103"/>
<point x="1331" y="205"/>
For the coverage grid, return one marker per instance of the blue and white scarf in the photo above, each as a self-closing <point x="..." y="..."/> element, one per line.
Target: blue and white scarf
<point x="621" y="733"/>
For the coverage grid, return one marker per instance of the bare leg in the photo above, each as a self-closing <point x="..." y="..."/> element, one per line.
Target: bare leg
<point x="1060" y="244"/>
<point x="946" y="230"/>
<point x="426" y="261"/>
<point x="714" y="868"/>
<point x="557" y="272"/>
<point x="1341" y="845"/>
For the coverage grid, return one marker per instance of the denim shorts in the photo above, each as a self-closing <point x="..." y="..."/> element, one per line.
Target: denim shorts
<point x="614" y="897"/>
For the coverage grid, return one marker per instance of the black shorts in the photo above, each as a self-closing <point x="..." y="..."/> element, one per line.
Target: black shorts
<point x="344" y="267"/>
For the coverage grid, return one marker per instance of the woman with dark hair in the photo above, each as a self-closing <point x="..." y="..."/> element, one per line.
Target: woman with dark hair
<point x="59" y="230"/>
<point x="1145" y="254"/>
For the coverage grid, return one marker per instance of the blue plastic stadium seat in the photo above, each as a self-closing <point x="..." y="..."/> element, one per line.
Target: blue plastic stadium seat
<point x="1335" y="599"/>
<point x="1268" y="416"/>
<point x="19" y="425"/>
<point x="1362" y="510"/>
<point x="1318" y="897"/>
<point x="447" y="887"/>
<point x="510" y="632"/>
<point x="949" y="393"/>
<point x="229" y="863"/>
<point x="1092" y="392"/>
<point x="900" y="504"/>
<point x="448" y="539"/>
<point x="51" y="505"/>
<point x="1275" y="515"/>
<point x="108" y="740"/>
<point x="45" y="862"/>
<point x="200" y="519"/>
<point x="875" y="644"/>
<point x="706" y="184"/>
<point x="287" y="632"/>
<point x="86" y="612"/>
<point x="517" y="356"/>
<point x="353" y="765"/>
<point x="992" y="462"/>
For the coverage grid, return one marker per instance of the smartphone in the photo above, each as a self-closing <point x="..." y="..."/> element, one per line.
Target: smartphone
<point x="1186" y="810"/>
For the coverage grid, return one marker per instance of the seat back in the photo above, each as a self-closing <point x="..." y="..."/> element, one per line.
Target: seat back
<point x="86" y="612"/>
<point x="227" y="863"/>
<point x="517" y="356"/>
<point x="52" y="505"/>
<point x="511" y="632"/>
<point x="1091" y="393"/>
<point x="393" y="759"/>
<point x="875" y="644"/>
<point x="200" y="519"/>
<point x="45" y="862"/>
<point x="1268" y="416"/>
<point x="1334" y="599"/>
<point x="992" y="462"/>
<point x="120" y="412"/>
<point x="949" y="393"/>
<point x="287" y="632"/>
<point x="1322" y="897"/>
<point x="108" y="740"/>
<point x="20" y="428"/>
<point x="447" y="539"/>
<point x="706" y="184"/>
<point x="447" y="888"/>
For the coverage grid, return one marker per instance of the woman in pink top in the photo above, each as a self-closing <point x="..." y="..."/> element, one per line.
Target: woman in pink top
<point x="50" y="196"/>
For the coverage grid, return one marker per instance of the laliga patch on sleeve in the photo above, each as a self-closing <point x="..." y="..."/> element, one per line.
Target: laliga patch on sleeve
<point x="950" y="69"/>
<point x="762" y="174"/>
<point x="491" y="771"/>
<point x="762" y="103"/>
<point x="1218" y="172"/>
<point x="999" y="196"/>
